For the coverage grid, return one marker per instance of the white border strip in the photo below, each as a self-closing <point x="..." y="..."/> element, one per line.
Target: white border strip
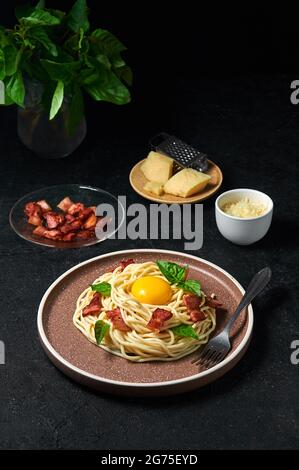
<point x="97" y="378"/>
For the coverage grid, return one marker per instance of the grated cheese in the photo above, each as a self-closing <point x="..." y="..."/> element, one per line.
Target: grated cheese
<point x="244" y="208"/>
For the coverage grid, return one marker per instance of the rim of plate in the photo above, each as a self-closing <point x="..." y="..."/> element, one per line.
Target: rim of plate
<point x="97" y="378"/>
<point x="80" y="186"/>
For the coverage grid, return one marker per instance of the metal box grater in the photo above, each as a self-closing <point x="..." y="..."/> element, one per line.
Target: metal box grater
<point x="183" y="154"/>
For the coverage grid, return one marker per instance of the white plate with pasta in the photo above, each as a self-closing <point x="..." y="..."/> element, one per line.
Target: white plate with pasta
<point x="130" y="322"/>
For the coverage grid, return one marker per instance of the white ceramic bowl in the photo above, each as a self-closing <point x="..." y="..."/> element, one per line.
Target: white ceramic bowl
<point x="243" y="231"/>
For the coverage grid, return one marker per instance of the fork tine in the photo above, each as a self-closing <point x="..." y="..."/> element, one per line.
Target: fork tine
<point x="209" y="359"/>
<point x="207" y="352"/>
<point x="201" y="354"/>
<point x="216" y="359"/>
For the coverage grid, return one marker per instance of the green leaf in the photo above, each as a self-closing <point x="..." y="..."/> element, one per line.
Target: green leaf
<point x="172" y="271"/>
<point x="58" y="13"/>
<point x="103" y="60"/>
<point x="39" y="34"/>
<point x="57" y="99"/>
<point x="106" y="42"/>
<point x="100" y="329"/>
<point x="191" y="285"/>
<point x="15" y="88"/>
<point x="185" y="331"/>
<point x="88" y="76"/>
<point x="103" y="288"/>
<point x="2" y="65"/>
<point x="12" y="59"/>
<point x="108" y="88"/>
<point x="57" y="71"/>
<point x="125" y="74"/>
<point x="76" y="113"/>
<point x="4" y="39"/>
<point x="78" y="17"/>
<point x="40" y="18"/>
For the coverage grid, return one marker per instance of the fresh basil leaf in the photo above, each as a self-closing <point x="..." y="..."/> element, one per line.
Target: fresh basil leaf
<point x="39" y="34"/>
<point x="2" y="65"/>
<point x="4" y="39"/>
<point x="58" y="13"/>
<point x="78" y="17"/>
<point x="172" y="271"/>
<point x="88" y="76"/>
<point x="108" y="88"/>
<point x="125" y="74"/>
<point x="58" y="71"/>
<point x="100" y="329"/>
<point x="12" y="59"/>
<point x="191" y="285"/>
<point x="40" y="18"/>
<point x="103" y="288"/>
<point x="117" y="61"/>
<point x="103" y="60"/>
<point x="76" y="112"/>
<point x="106" y="42"/>
<point x="185" y="331"/>
<point x="15" y="88"/>
<point x="57" y="99"/>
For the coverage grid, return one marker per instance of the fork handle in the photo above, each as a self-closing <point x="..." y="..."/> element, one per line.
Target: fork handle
<point x="256" y="285"/>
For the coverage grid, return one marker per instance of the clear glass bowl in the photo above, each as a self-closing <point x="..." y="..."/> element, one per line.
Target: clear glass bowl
<point x="88" y="195"/>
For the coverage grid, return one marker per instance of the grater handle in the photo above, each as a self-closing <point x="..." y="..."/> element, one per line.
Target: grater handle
<point x="158" y="139"/>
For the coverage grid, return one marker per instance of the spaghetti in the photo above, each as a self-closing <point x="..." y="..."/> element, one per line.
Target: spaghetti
<point x="141" y="343"/>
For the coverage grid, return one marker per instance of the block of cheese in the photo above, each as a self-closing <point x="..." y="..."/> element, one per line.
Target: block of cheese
<point x="153" y="187"/>
<point x="157" y="167"/>
<point x="186" y="182"/>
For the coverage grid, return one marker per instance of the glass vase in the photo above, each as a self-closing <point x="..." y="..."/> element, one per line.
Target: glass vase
<point x="47" y="139"/>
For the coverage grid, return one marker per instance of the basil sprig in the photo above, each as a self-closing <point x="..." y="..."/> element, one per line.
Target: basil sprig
<point x="185" y="330"/>
<point x="176" y="274"/>
<point x="60" y="51"/>
<point x="104" y="288"/>
<point x="100" y="329"/>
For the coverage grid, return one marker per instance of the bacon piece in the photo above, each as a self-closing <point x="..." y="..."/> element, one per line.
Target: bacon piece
<point x="117" y="320"/>
<point x="90" y="222"/>
<point x="94" y="306"/>
<point x="85" y="234"/>
<point x="85" y="213"/>
<point x="69" y="218"/>
<point x="197" y="315"/>
<point x="159" y="316"/>
<point x="93" y="208"/>
<point x="124" y="263"/>
<point x="40" y="230"/>
<point x="51" y="234"/>
<point x="72" y="227"/>
<point x="69" y="237"/>
<point x="212" y="302"/>
<point x="31" y="208"/>
<point x="74" y="209"/>
<point x="191" y="301"/>
<point x="53" y="219"/>
<point x="35" y="220"/>
<point x="44" y="205"/>
<point x="65" y="204"/>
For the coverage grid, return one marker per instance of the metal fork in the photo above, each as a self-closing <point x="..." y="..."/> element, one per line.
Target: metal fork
<point x="217" y="348"/>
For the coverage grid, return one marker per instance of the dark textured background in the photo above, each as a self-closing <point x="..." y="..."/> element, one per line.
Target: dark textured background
<point x="244" y="120"/>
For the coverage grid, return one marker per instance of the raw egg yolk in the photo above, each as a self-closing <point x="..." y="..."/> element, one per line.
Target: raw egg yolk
<point x="151" y="290"/>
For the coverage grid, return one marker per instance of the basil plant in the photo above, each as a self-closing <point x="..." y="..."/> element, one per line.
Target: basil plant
<point x="60" y="51"/>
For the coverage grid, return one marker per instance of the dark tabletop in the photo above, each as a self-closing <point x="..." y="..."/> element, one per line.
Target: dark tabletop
<point x="250" y="128"/>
